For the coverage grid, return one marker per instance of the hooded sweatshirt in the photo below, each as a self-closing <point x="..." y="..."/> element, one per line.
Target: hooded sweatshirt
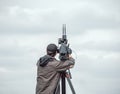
<point x="43" y="61"/>
<point x="48" y="73"/>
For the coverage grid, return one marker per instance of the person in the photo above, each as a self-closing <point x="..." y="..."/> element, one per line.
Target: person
<point x="48" y="70"/>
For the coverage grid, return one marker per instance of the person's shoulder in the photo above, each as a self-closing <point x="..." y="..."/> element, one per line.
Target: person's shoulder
<point x="54" y="62"/>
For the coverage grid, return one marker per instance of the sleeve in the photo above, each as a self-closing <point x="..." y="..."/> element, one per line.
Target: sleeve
<point x="63" y="66"/>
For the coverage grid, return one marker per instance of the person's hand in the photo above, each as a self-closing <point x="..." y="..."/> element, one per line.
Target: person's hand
<point x="70" y="56"/>
<point x="67" y="75"/>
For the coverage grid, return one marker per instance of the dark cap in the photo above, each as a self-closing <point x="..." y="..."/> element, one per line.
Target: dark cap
<point x="52" y="48"/>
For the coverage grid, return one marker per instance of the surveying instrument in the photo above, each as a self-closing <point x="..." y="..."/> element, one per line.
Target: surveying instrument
<point x="64" y="52"/>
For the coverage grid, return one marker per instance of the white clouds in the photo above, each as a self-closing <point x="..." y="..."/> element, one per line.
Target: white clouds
<point x="83" y="14"/>
<point x="4" y="70"/>
<point x="93" y="29"/>
<point x="106" y="39"/>
<point x="97" y="61"/>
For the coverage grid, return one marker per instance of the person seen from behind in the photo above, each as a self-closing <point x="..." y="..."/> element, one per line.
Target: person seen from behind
<point x="49" y="69"/>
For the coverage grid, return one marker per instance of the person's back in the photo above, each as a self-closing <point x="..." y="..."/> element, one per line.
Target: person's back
<point x="48" y="71"/>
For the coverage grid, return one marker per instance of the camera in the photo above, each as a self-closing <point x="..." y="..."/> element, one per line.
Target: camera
<point x="64" y="49"/>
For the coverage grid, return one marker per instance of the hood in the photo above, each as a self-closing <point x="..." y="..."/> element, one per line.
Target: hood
<point x="44" y="60"/>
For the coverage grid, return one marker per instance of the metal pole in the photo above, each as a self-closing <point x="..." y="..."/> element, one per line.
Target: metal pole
<point x="71" y="86"/>
<point x="63" y="83"/>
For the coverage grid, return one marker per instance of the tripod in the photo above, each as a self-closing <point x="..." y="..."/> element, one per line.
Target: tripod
<point x="63" y="83"/>
<point x="64" y="52"/>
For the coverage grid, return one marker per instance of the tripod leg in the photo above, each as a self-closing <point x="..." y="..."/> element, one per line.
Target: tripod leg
<point x="63" y="84"/>
<point x="57" y="90"/>
<point x="71" y="86"/>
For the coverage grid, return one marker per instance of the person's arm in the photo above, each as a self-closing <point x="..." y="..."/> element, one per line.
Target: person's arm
<point x="63" y="66"/>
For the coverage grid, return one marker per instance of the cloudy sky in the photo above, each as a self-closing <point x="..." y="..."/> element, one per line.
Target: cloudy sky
<point x="93" y="28"/>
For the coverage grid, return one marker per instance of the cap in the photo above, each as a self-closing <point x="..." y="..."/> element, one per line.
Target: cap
<point x="52" y="48"/>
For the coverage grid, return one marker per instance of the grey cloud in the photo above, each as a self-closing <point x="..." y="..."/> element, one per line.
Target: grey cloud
<point x="79" y="16"/>
<point x="17" y="81"/>
<point x="96" y="77"/>
<point x="102" y="46"/>
<point x="26" y="27"/>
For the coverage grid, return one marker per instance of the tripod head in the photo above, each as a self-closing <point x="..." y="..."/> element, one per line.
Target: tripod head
<point x="64" y="36"/>
<point x="64" y="49"/>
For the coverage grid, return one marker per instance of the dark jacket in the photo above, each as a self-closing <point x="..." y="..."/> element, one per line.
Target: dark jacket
<point x="48" y="73"/>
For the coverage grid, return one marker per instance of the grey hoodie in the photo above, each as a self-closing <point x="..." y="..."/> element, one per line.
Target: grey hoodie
<point x="48" y="73"/>
<point x="43" y="61"/>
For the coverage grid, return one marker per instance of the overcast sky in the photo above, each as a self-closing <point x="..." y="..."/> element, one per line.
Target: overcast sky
<point x="93" y="29"/>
